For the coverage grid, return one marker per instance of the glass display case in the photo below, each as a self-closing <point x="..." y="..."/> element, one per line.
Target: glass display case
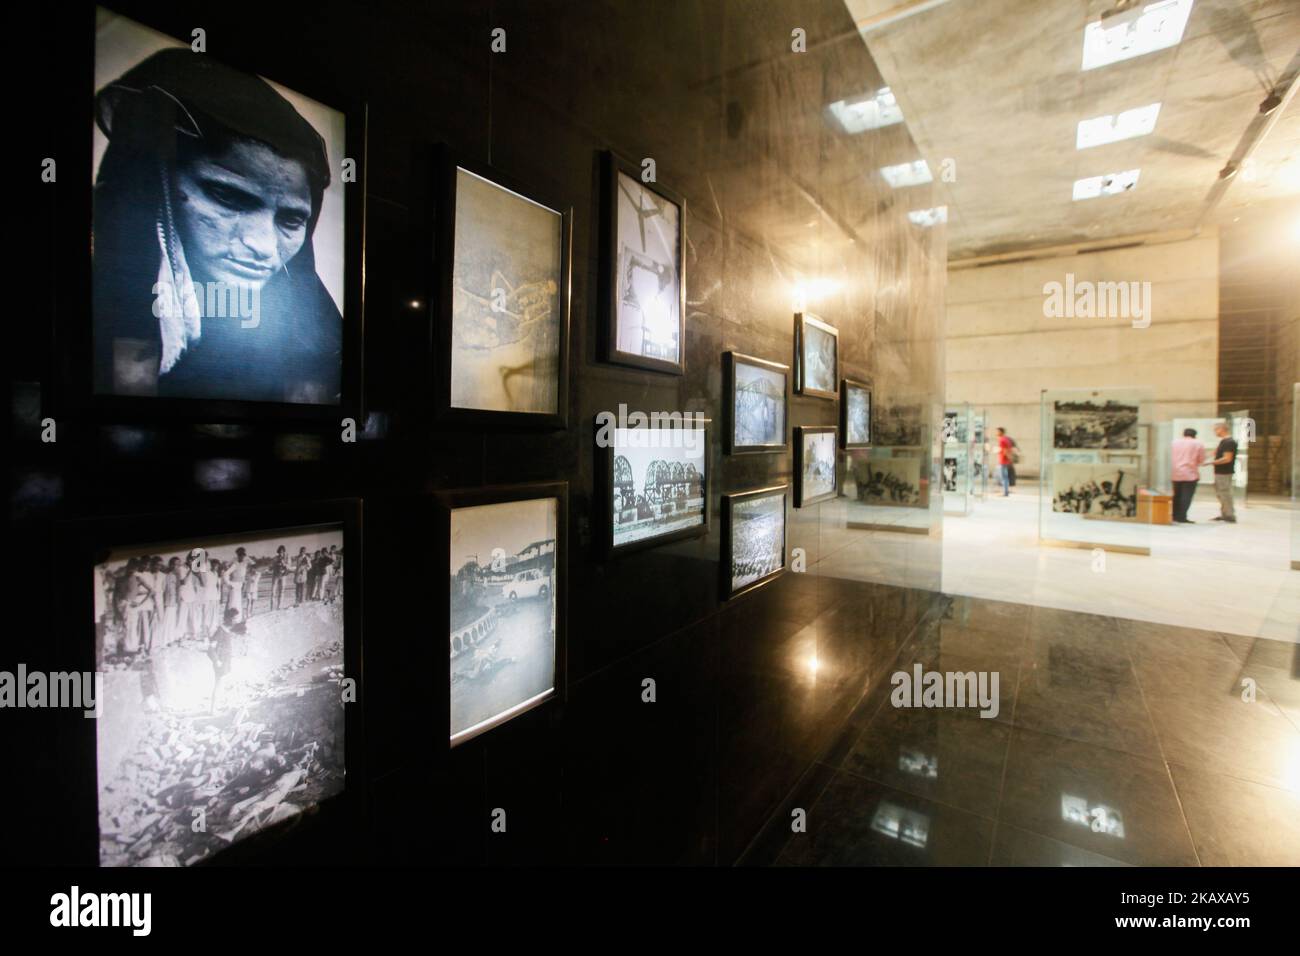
<point x="887" y="487"/>
<point x="1096" y="489"/>
<point x="979" y="456"/>
<point x="1295" y="478"/>
<point x="955" y="465"/>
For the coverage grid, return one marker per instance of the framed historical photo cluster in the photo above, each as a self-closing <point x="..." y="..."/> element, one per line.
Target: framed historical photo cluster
<point x="656" y="483"/>
<point x="506" y="574"/>
<point x="816" y="465"/>
<point x="229" y="648"/>
<point x="643" y="280"/>
<point x="855" y="414"/>
<point x="816" y="347"/>
<point x="756" y="393"/>
<point x="753" y="539"/>
<point x="227" y="215"/>
<point x="502" y="303"/>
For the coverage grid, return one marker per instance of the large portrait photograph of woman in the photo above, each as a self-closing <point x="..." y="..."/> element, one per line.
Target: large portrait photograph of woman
<point x="219" y="228"/>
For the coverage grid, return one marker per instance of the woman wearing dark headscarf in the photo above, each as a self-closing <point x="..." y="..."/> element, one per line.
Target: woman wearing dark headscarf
<point x="206" y="202"/>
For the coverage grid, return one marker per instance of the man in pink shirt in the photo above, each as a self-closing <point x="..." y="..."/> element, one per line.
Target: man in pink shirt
<point x="1188" y="456"/>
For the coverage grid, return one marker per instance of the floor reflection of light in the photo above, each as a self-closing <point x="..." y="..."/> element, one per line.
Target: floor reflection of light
<point x="918" y="764"/>
<point x="222" y="474"/>
<point x="899" y="824"/>
<point x="1099" y="819"/>
<point x="1290" y="769"/>
<point x="814" y="665"/>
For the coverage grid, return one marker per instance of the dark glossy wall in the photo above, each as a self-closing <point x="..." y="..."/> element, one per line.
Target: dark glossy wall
<point x="782" y="206"/>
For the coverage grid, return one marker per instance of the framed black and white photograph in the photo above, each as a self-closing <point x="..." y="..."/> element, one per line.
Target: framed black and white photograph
<point x="758" y="403"/>
<point x="951" y="472"/>
<point x="753" y="539"/>
<point x="816" y="357"/>
<point x="889" y="481"/>
<point x="899" y="426"/>
<point x="753" y="526"/>
<point x="228" y="645"/>
<point x="816" y="464"/>
<point x="1095" y="490"/>
<point x="1102" y="424"/>
<point x="227" y="218"/>
<point x="506" y="579"/>
<point x="855" y="414"/>
<point x="643" y="275"/>
<point x="502" y="349"/>
<point x="952" y="428"/>
<point x="658" y="487"/>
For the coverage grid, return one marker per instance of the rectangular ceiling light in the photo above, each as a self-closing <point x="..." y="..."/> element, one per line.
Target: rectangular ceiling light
<point x="1113" y="127"/>
<point x="1107" y="185"/>
<point x="1144" y="29"/>
<point x="929" y="217"/>
<point x="867" y="112"/>
<point x="907" y="174"/>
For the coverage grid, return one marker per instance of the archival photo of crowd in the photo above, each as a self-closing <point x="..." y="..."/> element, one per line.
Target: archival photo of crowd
<point x="889" y="481"/>
<point x="222" y="708"/>
<point x="756" y="546"/>
<point x="501" y="640"/>
<point x="1112" y="424"/>
<point x="1095" y="490"/>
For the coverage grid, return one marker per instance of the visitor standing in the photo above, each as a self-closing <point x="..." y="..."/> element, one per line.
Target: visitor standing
<point x="1225" y="463"/>
<point x="1186" y="459"/>
<point x="1006" y="460"/>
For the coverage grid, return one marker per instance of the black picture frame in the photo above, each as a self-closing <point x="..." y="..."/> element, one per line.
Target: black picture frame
<point x="613" y="164"/>
<point x="83" y="543"/>
<point x="802" y="321"/>
<point x="446" y="163"/>
<point x="606" y="474"/>
<point x="800" y="432"/>
<point x="447" y="501"/>
<point x="72" y="371"/>
<point x="845" y="385"/>
<point x="730" y="360"/>
<point x="728" y="545"/>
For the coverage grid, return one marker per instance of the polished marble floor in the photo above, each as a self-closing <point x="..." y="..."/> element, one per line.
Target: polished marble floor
<point x="1117" y="742"/>
<point x="1236" y="578"/>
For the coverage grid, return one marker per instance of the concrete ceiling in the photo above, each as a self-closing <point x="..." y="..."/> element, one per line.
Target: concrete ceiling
<point x="996" y="86"/>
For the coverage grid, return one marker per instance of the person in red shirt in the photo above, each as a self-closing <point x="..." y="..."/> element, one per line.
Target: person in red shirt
<point x="1005" y="444"/>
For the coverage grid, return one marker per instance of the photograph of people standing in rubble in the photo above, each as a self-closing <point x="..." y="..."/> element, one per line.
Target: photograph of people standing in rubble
<point x="222" y="708"/>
